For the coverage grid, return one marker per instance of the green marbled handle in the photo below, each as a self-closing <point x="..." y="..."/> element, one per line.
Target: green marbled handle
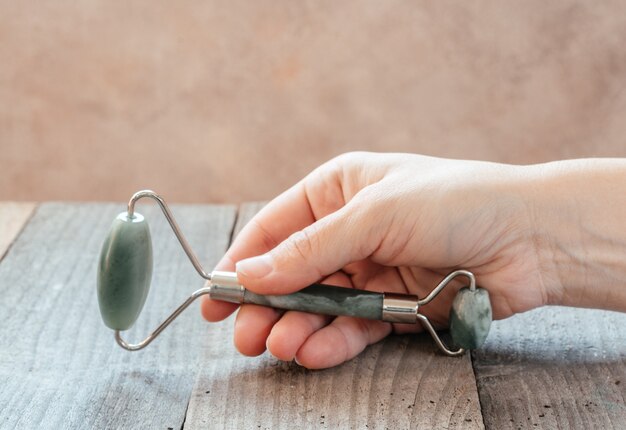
<point x="324" y="299"/>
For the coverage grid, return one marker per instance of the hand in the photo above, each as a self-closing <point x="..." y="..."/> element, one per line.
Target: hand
<point x="386" y="222"/>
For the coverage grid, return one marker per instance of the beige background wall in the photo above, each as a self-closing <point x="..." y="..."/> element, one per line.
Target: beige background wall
<point x="236" y="100"/>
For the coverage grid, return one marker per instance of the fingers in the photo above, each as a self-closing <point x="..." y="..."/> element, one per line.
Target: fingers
<point x="308" y="338"/>
<point x="305" y="337"/>
<point x="292" y="331"/>
<point x="293" y="215"/>
<point x="288" y="212"/>
<point x="347" y="235"/>
<point x="340" y="341"/>
<point x="258" y="327"/>
<point x="294" y="328"/>
<point x="252" y="327"/>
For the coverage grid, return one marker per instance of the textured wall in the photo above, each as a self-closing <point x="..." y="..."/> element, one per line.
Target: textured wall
<point x="236" y="100"/>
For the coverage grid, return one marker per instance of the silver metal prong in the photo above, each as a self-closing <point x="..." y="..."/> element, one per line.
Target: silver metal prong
<point x="137" y="346"/>
<point x="224" y="287"/>
<point x="469" y="275"/>
<point x="426" y="323"/>
<point x="170" y="219"/>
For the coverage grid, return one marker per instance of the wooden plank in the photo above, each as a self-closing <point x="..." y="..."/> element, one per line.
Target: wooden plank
<point x="554" y="368"/>
<point x="59" y="365"/>
<point x="13" y="216"/>
<point x="401" y="382"/>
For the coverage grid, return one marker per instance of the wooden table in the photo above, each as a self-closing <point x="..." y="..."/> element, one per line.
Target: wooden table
<point x="60" y="367"/>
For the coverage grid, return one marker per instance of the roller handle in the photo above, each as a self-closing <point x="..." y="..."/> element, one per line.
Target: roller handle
<point x="324" y="299"/>
<point x="321" y="299"/>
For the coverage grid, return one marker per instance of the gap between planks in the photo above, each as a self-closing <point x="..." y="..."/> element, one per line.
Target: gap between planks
<point x="13" y="218"/>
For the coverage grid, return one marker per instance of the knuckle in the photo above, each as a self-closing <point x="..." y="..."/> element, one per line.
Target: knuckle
<point x="303" y="244"/>
<point x="350" y="158"/>
<point x="267" y="240"/>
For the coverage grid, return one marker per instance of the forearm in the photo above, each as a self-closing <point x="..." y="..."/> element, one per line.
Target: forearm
<point x="578" y="217"/>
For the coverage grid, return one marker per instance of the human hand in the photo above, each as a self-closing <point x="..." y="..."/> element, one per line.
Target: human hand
<point x="386" y="222"/>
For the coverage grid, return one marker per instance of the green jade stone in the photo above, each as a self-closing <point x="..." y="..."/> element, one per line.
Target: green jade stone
<point x="470" y="318"/>
<point x="125" y="271"/>
<point x="324" y="299"/>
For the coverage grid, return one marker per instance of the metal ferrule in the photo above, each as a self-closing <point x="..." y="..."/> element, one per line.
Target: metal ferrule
<point x="400" y="308"/>
<point x="225" y="286"/>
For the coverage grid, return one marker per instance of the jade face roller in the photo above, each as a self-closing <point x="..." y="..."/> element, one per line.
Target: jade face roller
<point x="125" y="272"/>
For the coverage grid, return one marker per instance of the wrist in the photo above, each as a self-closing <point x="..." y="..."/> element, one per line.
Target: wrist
<point x="577" y="212"/>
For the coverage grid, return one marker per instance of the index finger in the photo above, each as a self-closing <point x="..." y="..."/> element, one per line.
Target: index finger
<point x="289" y="212"/>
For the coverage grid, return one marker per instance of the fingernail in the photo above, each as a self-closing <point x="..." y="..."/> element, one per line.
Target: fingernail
<point x="255" y="267"/>
<point x="297" y="362"/>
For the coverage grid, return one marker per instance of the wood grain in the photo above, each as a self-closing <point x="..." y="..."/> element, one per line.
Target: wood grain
<point x="59" y="364"/>
<point x="554" y="368"/>
<point x="60" y="368"/>
<point x="401" y="382"/>
<point x="13" y="216"/>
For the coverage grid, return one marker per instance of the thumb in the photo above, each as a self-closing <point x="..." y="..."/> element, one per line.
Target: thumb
<point x="310" y="254"/>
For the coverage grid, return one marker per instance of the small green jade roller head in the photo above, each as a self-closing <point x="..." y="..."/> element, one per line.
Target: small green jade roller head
<point x="125" y="273"/>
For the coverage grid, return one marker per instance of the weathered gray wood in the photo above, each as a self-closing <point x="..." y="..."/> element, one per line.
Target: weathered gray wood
<point x="59" y="364"/>
<point x="401" y="382"/>
<point x="554" y="368"/>
<point x="60" y="368"/>
<point x="13" y="216"/>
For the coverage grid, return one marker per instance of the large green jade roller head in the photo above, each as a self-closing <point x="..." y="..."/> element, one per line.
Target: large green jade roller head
<point x="125" y="272"/>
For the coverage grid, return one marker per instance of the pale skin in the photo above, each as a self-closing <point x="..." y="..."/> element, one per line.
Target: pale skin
<point x="534" y="235"/>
